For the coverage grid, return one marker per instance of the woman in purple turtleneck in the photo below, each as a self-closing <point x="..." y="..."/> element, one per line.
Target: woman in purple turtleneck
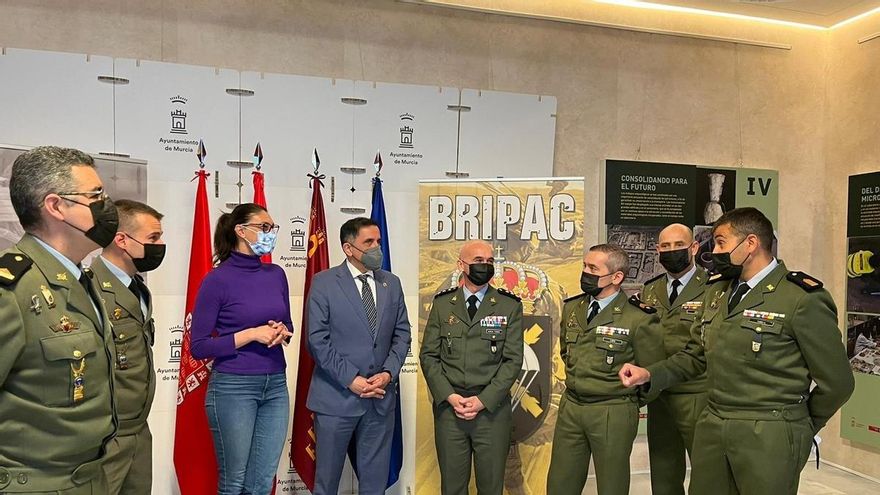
<point x="241" y="315"/>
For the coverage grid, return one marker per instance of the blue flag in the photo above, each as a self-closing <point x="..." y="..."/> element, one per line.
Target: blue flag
<point x="378" y="215"/>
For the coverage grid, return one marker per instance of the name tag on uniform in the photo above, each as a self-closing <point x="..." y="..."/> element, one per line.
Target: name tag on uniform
<point x="692" y="307"/>
<point x="763" y="315"/>
<point x="496" y="323"/>
<point x="612" y="331"/>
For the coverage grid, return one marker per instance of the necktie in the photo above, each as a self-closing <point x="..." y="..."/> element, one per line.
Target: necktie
<point x="84" y="281"/>
<point x="472" y="305"/>
<point x="369" y="304"/>
<point x="737" y="296"/>
<point x="674" y="295"/>
<point x="594" y="310"/>
<point x="135" y="289"/>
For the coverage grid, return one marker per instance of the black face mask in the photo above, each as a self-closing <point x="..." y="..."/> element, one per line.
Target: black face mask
<point x="106" y="221"/>
<point x="590" y="283"/>
<point x="675" y="261"/>
<point x="153" y="256"/>
<point x="480" y="273"/>
<point x="725" y="266"/>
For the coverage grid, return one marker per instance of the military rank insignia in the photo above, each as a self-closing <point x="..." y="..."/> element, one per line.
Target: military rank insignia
<point x="12" y="267"/>
<point x="452" y="320"/>
<point x="117" y="313"/>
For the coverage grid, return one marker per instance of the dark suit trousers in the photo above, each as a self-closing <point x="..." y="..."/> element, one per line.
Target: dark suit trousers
<point x="372" y="432"/>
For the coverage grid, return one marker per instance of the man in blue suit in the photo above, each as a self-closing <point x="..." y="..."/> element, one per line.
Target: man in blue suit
<point x="359" y="336"/>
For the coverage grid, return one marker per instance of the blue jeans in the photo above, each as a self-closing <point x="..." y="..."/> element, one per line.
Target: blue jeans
<point x="248" y="416"/>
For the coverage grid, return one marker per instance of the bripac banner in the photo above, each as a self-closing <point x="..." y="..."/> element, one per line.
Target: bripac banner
<point x="536" y="229"/>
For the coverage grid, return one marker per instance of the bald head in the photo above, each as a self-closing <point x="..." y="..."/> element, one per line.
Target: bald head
<point x="675" y="234"/>
<point x="475" y="259"/>
<point x="677" y="237"/>
<point x="477" y="250"/>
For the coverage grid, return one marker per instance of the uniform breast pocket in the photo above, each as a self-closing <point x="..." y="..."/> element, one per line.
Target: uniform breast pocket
<point x="757" y="335"/>
<point x="494" y="339"/>
<point x="609" y="350"/>
<point x="125" y="336"/>
<point x="67" y="365"/>
<point x="451" y="344"/>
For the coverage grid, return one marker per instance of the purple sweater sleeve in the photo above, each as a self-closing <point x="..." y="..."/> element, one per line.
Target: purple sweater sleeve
<point x="204" y="320"/>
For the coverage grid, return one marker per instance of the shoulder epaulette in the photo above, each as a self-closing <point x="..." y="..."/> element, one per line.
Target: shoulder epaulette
<point x="804" y="281"/>
<point x="572" y="298"/>
<point x="658" y="277"/>
<point x="715" y="277"/>
<point x="505" y="292"/>
<point x="12" y="267"/>
<point x="445" y="291"/>
<point x="635" y="301"/>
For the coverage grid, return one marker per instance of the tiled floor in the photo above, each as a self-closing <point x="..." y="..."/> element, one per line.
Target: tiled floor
<point x="826" y="481"/>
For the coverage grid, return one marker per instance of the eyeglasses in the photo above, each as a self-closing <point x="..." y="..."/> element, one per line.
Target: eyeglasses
<point x="265" y="227"/>
<point x="96" y="195"/>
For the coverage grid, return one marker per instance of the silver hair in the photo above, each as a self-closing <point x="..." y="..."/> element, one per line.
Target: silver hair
<point x="38" y="173"/>
<point x="618" y="260"/>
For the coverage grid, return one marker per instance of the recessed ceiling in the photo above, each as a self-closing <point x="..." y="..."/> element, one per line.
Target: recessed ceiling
<point x="823" y="13"/>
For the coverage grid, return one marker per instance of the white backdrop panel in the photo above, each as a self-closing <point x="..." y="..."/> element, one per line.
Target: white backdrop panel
<point x="403" y="119"/>
<point x="507" y="134"/>
<point x="56" y="98"/>
<point x="291" y="115"/>
<point x="186" y="99"/>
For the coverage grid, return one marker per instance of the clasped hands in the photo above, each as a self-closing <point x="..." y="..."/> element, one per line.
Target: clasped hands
<point x="271" y="334"/>
<point x="466" y="408"/>
<point x="372" y="387"/>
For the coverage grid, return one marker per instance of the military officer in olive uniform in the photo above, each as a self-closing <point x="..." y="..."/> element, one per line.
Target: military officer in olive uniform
<point x="137" y="248"/>
<point x="678" y="296"/>
<point x="56" y="376"/>
<point x="472" y="352"/>
<point x="601" y="330"/>
<point x="763" y="336"/>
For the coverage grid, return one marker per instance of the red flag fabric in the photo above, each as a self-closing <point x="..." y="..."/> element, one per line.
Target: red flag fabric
<point x="260" y="199"/>
<point x="194" y="459"/>
<point x="302" y="450"/>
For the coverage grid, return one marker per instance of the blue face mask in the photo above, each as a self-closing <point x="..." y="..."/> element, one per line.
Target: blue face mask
<point x="265" y="243"/>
